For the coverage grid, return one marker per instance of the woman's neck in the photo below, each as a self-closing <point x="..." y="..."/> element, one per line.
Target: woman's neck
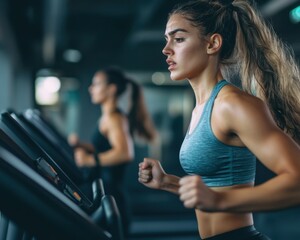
<point x="203" y="86"/>
<point x="109" y="107"/>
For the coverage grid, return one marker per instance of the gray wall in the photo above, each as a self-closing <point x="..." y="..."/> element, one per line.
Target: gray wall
<point x="15" y="83"/>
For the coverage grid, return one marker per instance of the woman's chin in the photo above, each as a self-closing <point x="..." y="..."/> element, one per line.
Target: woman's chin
<point x="175" y="78"/>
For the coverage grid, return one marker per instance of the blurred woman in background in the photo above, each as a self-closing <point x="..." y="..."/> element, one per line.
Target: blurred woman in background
<point x="112" y="145"/>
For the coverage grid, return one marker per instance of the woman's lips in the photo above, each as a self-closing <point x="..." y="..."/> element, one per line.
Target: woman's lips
<point x="171" y="64"/>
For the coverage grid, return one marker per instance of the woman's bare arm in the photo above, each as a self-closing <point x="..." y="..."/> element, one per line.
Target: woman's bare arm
<point x="250" y="119"/>
<point x="121" y="142"/>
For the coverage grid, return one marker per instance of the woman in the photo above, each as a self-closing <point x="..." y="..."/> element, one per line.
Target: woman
<point x="230" y="127"/>
<point x="112" y="143"/>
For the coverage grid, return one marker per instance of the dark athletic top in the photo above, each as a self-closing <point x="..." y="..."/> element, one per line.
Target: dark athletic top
<point x="112" y="176"/>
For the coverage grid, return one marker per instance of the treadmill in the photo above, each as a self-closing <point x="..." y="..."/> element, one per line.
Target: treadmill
<point x="17" y="140"/>
<point x="37" y="206"/>
<point x="46" y="134"/>
<point x="102" y="209"/>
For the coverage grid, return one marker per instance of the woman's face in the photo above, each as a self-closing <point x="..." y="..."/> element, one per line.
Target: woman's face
<point x="99" y="88"/>
<point x="185" y="51"/>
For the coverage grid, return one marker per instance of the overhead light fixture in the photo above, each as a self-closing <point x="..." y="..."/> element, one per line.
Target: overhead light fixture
<point x="158" y="78"/>
<point x="295" y="15"/>
<point x="46" y="90"/>
<point x="72" y="55"/>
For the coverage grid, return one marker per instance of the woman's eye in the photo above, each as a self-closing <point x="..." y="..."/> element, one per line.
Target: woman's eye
<point x="179" y="40"/>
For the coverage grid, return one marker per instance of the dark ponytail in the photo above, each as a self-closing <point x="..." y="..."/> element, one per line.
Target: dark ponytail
<point x="139" y="120"/>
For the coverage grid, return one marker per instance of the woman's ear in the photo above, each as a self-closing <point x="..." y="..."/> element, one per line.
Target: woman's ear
<point x="112" y="89"/>
<point x="214" y="43"/>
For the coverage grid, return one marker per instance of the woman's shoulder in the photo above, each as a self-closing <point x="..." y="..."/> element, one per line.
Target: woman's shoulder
<point x="232" y="97"/>
<point x="115" y="119"/>
<point x="235" y="105"/>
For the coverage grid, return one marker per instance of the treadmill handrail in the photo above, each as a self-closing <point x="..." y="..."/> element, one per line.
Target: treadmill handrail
<point x="6" y="118"/>
<point x="13" y="167"/>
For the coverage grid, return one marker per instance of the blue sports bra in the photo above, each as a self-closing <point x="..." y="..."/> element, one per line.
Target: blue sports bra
<point x="218" y="164"/>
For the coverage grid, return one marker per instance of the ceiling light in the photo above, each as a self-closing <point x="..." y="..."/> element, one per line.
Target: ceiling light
<point x="295" y="15"/>
<point x="72" y="55"/>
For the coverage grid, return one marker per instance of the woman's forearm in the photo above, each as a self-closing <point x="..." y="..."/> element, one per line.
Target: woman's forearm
<point x="114" y="157"/>
<point x="170" y="183"/>
<point x="86" y="146"/>
<point x="280" y="192"/>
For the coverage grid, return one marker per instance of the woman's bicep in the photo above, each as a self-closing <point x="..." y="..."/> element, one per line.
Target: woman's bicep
<point x="117" y="134"/>
<point x="119" y="137"/>
<point x="256" y="128"/>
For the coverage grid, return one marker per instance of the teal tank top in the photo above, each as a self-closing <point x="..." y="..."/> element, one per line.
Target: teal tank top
<point x="218" y="164"/>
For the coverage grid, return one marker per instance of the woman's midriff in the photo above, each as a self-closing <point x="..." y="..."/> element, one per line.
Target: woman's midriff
<point x="211" y="224"/>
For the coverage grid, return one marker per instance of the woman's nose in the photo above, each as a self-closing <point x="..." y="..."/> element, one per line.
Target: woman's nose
<point x="166" y="50"/>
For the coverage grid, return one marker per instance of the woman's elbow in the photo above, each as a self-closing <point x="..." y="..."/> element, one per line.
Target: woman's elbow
<point x="126" y="155"/>
<point x="294" y="182"/>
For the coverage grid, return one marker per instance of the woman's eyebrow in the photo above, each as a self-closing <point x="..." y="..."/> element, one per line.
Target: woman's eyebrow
<point x="175" y="31"/>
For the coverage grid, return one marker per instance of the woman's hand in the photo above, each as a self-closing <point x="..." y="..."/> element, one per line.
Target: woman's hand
<point x="82" y="158"/>
<point x="73" y="140"/>
<point x="195" y="194"/>
<point x="151" y="173"/>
